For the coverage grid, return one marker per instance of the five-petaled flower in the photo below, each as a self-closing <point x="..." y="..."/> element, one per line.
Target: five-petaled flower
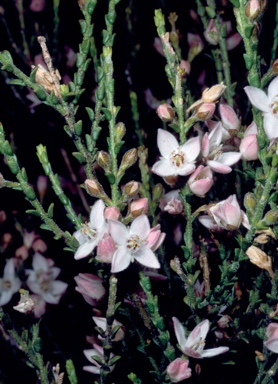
<point x="271" y="342"/>
<point x="132" y="244"/>
<point x="268" y="104"/>
<point x="194" y="344"/>
<point x="176" y="160"/>
<point x="9" y="283"/>
<point x="91" y="233"/>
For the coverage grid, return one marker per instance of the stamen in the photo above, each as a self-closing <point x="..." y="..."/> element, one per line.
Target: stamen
<point x="88" y="231"/>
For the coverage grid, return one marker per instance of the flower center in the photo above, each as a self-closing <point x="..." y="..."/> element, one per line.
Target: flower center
<point x="134" y="243"/>
<point x="178" y="158"/>
<point x="88" y="232"/>
<point x="199" y="344"/>
<point x="215" y="153"/>
<point x="274" y="107"/>
<point x="6" y="285"/>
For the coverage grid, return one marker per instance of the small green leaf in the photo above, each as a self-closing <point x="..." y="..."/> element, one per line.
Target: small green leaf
<point x="32" y="212"/>
<point x="17" y="82"/>
<point x="91" y="113"/>
<point x="50" y="211"/>
<point x="45" y="226"/>
<point x="79" y="157"/>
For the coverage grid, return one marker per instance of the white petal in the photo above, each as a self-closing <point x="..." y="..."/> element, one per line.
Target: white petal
<point x="166" y="143"/>
<point x="145" y="256"/>
<point x="118" y="231"/>
<point x="219" y="167"/>
<point x="186" y="169"/>
<point x="85" y="249"/>
<point x="199" y="333"/>
<point x="140" y="227"/>
<point x="101" y="322"/>
<point x="39" y="262"/>
<point x="121" y="260"/>
<point x="92" y="369"/>
<point x="191" y="148"/>
<point x="164" y="168"/>
<point x="229" y="158"/>
<point x="214" y="351"/>
<point x="58" y="287"/>
<point x="258" y="98"/>
<point x="96" y="216"/>
<point x="5" y="297"/>
<point x="215" y="136"/>
<point x="272" y="88"/>
<point x="9" y="270"/>
<point x="271" y="126"/>
<point x="179" y="332"/>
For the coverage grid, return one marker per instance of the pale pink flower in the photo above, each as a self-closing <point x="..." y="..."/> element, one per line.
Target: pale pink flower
<point x="268" y="104"/>
<point x="90" y="286"/>
<point x="91" y="233"/>
<point x="96" y="351"/>
<point x="249" y="144"/>
<point x="37" y="5"/>
<point x="194" y="344"/>
<point x="101" y="322"/>
<point x="178" y="370"/>
<point x="171" y="202"/>
<point x="132" y="244"/>
<point x="176" y="159"/>
<point x="272" y="337"/>
<point x="42" y="280"/>
<point x="201" y="181"/>
<point x="225" y="215"/>
<point x="213" y="154"/>
<point x="9" y="283"/>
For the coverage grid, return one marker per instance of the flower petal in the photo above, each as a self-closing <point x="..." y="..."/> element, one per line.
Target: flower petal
<point x="166" y="143"/>
<point x="145" y="256"/>
<point x="179" y="332"/>
<point x="164" y="168"/>
<point x="118" y="231"/>
<point x="258" y="98"/>
<point x="85" y="249"/>
<point x="96" y="216"/>
<point x="140" y="227"/>
<point x="272" y="88"/>
<point x="121" y="260"/>
<point x="271" y="126"/>
<point x="216" y="166"/>
<point x="191" y="148"/>
<point x="214" y="351"/>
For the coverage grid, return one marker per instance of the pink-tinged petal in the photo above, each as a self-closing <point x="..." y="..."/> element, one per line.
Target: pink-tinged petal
<point x="205" y="145"/>
<point x="191" y="148"/>
<point x="271" y="126"/>
<point x="164" y="168"/>
<point x="85" y="249"/>
<point x="120" y="260"/>
<point x="245" y="221"/>
<point x="272" y="88"/>
<point x="192" y="353"/>
<point x="180" y="333"/>
<point x="92" y="369"/>
<point x="39" y="263"/>
<point x="233" y="41"/>
<point x="166" y="143"/>
<point x="186" y="170"/>
<point x="258" y="98"/>
<point x="209" y="223"/>
<point x="252" y="129"/>
<point x="229" y="158"/>
<point x="228" y="117"/>
<point x="118" y="231"/>
<point x="198" y="333"/>
<point x="146" y="257"/>
<point x="97" y="215"/>
<point x="272" y="330"/>
<point x="219" y="167"/>
<point x="178" y="370"/>
<point x="249" y="147"/>
<point x="140" y="227"/>
<point x="201" y="187"/>
<point x="214" y="351"/>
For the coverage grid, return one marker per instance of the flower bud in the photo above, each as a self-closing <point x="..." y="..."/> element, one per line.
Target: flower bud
<point x="250" y="201"/>
<point x="37" y="5"/>
<point x="165" y="112"/>
<point x="271" y="217"/>
<point x="129" y="158"/>
<point x="112" y="213"/>
<point x="201" y="181"/>
<point x="185" y="66"/>
<point x="131" y="188"/>
<point x="157" y="192"/>
<point x="93" y="187"/>
<point x="210" y="95"/>
<point x="205" y="111"/>
<point x="252" y="9"/>
<point x="260" y="258"/>
<point x="249" y="147"/>
<point x="120" y="131"/>
<point x="138" y="207"/>
<point x="178" y="370"/>
<point x="229" y="118"/>
<point x="104" y="160"/>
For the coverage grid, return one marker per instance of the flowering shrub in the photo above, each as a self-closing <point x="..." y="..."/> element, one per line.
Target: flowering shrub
<point x="142" y="237"/>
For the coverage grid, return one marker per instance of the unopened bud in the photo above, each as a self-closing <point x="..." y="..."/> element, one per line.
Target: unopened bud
<point x="210" y="95"/>
<point x="138" y="207"/>
<point x="275" y="67"/>
<point x="157" y="192"/>
<point x="250" y="201"/>
<point x="185" y="66"/>
<point x="205" y="111"/>
<point x="129" y="158"/>
<point x="271" y="217"/>
<point x="120" y="131"/>
<point x="165" y="112"/>
<point x="259" y="355"/>
<point x="261" y="259"/>
<point x="131" y="189"/>
<point x="112" y="213"/>
<point x="104" y="160"/>
<point x="171" y="180"/>
<point x="252" y="9"/>
<point x="93" y="187"/>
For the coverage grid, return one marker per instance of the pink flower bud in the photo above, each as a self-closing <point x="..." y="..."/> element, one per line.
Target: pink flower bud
<point x="90" y="287"/>
<point x="229" y="118"/>
<point x="186" y="67"/>
<point x="165" y="112"/>
<point x="201" y="180"/>
<point x="178" y="370"/>
<point x="42" y="184"/>
<point x="37" y="5"/>
<point x="171" y="202"/>
<point x="252" y="9"/>
<point x="155" y="238"/>
<point x="112" y="213"/>
<point x="205" y="111"/>
<point x="106" y="249"/>
<point x="249" y="147"/>
<point x="22" y="253"/>
<point x="138" y="207"/>
<point x="39" y="246"/>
